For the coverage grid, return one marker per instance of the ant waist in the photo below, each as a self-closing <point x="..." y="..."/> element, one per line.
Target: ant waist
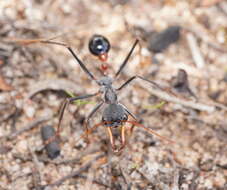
<point x="114" y="124"/>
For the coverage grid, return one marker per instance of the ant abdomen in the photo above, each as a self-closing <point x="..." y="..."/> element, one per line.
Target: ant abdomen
<point x="114" y="115"/>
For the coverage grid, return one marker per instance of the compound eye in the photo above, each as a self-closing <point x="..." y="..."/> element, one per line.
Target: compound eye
<point x="99" y="45"/>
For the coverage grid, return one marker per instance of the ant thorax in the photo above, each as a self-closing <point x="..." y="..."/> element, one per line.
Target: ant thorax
<point x="105" y="81"/>
<point x="110" y="96"/>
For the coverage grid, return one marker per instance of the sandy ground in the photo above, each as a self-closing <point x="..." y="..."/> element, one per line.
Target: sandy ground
<point x="34" y="80"/>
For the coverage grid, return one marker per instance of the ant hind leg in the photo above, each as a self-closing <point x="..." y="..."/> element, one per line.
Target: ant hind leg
<point x="86" y="122"/>
<point x="62" y="110"/>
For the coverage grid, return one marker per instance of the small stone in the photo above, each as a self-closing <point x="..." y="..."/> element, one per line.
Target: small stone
<point x="162" y="40"/>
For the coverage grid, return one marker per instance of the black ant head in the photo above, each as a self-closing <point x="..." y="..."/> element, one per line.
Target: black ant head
<point x="114" y="115"/>
<point x="99" y="46"/>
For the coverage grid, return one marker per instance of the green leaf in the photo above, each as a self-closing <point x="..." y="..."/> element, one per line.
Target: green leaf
<point x="156" y="106"/>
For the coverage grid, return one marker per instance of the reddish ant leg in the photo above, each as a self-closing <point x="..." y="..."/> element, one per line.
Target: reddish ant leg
<point x="112" y="141"/>
<point x="150" y="131"/>
<point x="123" y="139"/>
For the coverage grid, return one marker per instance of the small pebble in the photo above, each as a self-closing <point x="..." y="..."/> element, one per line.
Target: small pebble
<point x="161" y="40"/>
<point x="180" y="83"/>
<point x="53" y="148"/>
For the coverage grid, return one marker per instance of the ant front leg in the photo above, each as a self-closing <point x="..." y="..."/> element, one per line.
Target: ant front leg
<point x="62" y="110"/>
<point x="82" y="65"/>
<point x="126" y="59"/>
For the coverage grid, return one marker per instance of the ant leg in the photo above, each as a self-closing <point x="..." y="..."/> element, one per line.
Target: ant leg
<point x="62" y="110"/>
<point x="84" y="68"/>
<point x="81" y="64"/>
<point x="144" y="79"/>
<point x="150" y="131"/>
<point x="126" y="109"/>
<point x="123" y="141"/>
<point x="95" y="109"/>
<point x="132" y="115"/>
<point x="70" y="100"/>
<point x="111" y="138"/>
<point x="126" y="59"/>
<point x="139" y="77"/>
<point x="90" y="130"/>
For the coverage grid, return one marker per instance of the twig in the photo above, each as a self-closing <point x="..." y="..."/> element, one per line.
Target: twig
<point x="193" y="183"/>
<point x="167" y="97"/>
<point x="144" y="176"/>
<point x="202" y="35"/>
<point x="175" y="185"/>
<point x="76" y="173"/>
<point x="90" y="178"/>
<point x="29" y="126"/>
<point x="54" y="84"/>
<point x="126" y="178"/>
<point x="10" y="109"/>
<point x="89" y="150"/>
<point x="35" y="170"/>
<point x="195" y="51"/>
<point x="91" y="173"/>
<point x="220" y="106"/>
<point x="95" y="181"/>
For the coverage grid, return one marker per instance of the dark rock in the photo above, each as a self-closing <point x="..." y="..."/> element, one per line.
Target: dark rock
<point x="159" y="41"/>
<point x="180" y="83"/>
<point x="53" y="148"/>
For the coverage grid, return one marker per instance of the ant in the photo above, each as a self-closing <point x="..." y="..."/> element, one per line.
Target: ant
<point x="115" y="114"/>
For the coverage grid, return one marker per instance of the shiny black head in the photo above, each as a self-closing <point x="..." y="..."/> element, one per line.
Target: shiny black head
<point x="114" y="115"/>
<point x="99" y="45"/>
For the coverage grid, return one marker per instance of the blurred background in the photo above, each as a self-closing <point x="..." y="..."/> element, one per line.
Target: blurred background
<point x="182" y="47"/>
